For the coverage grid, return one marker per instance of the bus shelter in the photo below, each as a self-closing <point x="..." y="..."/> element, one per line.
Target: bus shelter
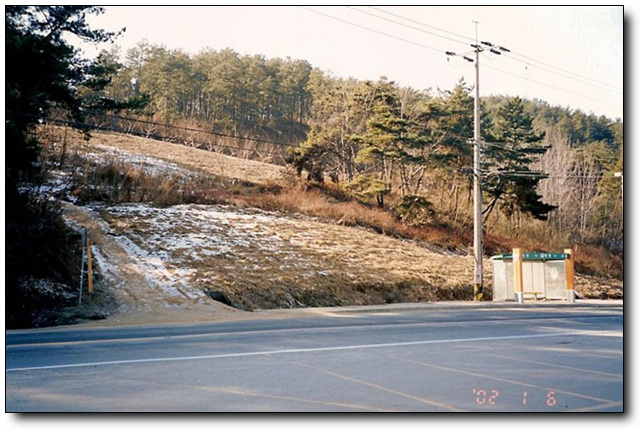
<point x="543" y="276"/>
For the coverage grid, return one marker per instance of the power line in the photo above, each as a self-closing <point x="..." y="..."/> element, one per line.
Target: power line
<point x="439" y="50"/>
<point x="166" y="126"/>
<point x="541" y="175"/>
<point x="572" y="75"/>
<point x="218" y="134"/>
<point x="405" y="25"/>
<point x="169" y="139"/>
<point x="497" y="146"/>
<point x="470" y="39"/>
<point x="576" y="78"/>
<point x="371" y="29"/>
<point x="552" y="86"/>
<point x="618" y="89"/>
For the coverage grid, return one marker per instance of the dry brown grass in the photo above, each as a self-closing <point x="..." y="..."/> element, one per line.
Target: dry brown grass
<point x="188" y="157"/>
<point x="256" y="259"/>
<point x="245" y="183"/>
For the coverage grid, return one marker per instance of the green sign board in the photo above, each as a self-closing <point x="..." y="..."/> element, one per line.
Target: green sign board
<point x="534" y="256"/>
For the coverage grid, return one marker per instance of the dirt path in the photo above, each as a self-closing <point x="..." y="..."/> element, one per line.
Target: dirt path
<point x="126" y="291"/>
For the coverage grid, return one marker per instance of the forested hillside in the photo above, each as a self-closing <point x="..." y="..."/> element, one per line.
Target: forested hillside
<point x="363" y="155"/>
<point x="548" y="171"/>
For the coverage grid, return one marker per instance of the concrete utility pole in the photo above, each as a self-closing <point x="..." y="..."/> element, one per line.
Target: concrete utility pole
<point x="477" y="162"/>
<point x="477" y="185"/>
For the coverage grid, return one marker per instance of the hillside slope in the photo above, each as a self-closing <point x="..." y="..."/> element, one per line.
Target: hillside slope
<point x="214" y="258"/>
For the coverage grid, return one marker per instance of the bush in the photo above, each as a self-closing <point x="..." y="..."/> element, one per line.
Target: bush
<point x="415" y="210"/>
<point x="367" y="186"/>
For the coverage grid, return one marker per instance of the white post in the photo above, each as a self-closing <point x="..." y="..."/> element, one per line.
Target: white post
<point x="84" y="246"/>
<point x="517" y="275"/>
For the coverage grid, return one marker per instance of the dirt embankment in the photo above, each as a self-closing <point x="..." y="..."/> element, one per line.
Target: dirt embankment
<point x="191" y="255"/>
<point x="194" y="262"/>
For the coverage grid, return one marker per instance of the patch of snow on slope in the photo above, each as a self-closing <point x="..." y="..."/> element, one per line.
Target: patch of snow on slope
<point x="174" y="246"/>
<point x="149" y="164"/>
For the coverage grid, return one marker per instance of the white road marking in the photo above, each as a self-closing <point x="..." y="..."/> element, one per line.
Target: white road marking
<point x="283" y="330"/>
<point x="292" y="351"/>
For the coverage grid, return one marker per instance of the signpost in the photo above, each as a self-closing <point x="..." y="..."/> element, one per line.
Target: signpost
<point x="569" y="271"/>
<point x="517" y="274"/>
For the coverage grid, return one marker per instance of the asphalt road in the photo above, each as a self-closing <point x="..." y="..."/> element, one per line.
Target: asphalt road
<point x="416" y="359"/>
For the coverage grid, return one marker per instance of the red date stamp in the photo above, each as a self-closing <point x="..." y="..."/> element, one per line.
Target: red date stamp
<point x="487" y="397"/>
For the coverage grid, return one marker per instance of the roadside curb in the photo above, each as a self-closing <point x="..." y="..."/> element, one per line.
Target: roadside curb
<point x="351" y="310"/>
<point x="462" y="305"/>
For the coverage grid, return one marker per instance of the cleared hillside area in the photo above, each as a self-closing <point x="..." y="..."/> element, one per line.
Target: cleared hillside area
<point x="224" y="236"/>
<point x="127" y="147"/>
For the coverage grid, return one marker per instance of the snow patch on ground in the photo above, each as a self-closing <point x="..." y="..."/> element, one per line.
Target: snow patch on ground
<point x="150" y="165"/>
<point x="179" y="248"/>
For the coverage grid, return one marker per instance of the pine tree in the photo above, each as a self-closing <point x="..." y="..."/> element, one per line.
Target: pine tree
<point x="391" y="140"/>
<point x="43" y="72"/>
<point x="511" y="150"/>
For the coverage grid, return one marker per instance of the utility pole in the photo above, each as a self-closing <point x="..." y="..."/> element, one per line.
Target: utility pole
<point x="477" y="162"/>
<point x="477" y="185"/>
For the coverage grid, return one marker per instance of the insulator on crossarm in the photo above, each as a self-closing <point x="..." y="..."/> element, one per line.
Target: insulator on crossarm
<point x="450" y="53"/>
<point x="503" y="49"/>
<point x="495" y="51"/>
<point x="468" y="59"/>
<point x="487" y="43"/>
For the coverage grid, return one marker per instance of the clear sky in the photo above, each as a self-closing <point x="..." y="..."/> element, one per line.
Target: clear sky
<point x="571" y="56"/>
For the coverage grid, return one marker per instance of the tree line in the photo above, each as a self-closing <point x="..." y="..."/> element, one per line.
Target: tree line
<point x="219" y="91"/>
<point x="394" y="146"/>
<point x="398" y="147"/>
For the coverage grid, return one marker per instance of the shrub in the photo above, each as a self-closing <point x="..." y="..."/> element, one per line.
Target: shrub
<point x="415" y="210"/>
<point x="367" y="187"/>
